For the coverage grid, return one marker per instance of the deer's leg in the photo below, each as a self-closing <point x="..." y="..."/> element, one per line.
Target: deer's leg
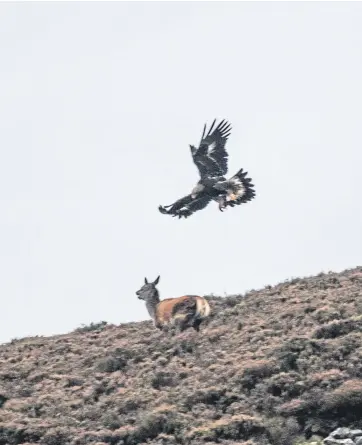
<point x="196" y="324"/>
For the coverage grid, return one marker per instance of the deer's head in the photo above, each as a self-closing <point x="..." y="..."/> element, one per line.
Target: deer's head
<point x="148" y="290"/>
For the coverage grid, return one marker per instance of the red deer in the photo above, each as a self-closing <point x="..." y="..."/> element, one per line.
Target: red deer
<point x="184" y="312"/>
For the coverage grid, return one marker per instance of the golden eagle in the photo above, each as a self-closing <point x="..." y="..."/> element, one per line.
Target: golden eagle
<point x="211" y="159"/>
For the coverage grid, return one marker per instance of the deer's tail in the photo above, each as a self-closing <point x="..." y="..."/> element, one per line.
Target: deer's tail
<point x="202" y="308"/>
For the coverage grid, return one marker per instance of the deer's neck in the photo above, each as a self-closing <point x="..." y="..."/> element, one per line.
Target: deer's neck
<point x="151" y="306"/>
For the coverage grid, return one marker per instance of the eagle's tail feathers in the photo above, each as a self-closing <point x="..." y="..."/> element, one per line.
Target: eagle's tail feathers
<point x="241" y="188"/>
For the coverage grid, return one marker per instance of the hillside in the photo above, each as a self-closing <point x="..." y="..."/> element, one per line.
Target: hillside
<point x="269" y="367"/>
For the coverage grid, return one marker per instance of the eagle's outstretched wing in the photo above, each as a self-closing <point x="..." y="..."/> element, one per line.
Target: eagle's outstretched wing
<point x="186" y="206"/>
<point x="242" y="189"/>
<point x="210" y="157"/>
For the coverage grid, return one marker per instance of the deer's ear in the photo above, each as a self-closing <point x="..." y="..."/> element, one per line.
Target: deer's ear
<point x="146" y="282"/>
<point x="156" y="280"/>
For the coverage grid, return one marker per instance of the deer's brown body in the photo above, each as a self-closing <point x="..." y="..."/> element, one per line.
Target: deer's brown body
<point x="186" y="311"/>
<point x="187" y="308"/>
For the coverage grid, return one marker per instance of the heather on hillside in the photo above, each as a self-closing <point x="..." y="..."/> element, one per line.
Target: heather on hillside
<point x="273" y="366"/>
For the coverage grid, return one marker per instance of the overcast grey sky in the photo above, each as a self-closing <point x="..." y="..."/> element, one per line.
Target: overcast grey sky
<point x="99" y="103"/>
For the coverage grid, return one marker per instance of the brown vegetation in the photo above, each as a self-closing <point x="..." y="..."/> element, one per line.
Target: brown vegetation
<point x="266" y="368"/>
